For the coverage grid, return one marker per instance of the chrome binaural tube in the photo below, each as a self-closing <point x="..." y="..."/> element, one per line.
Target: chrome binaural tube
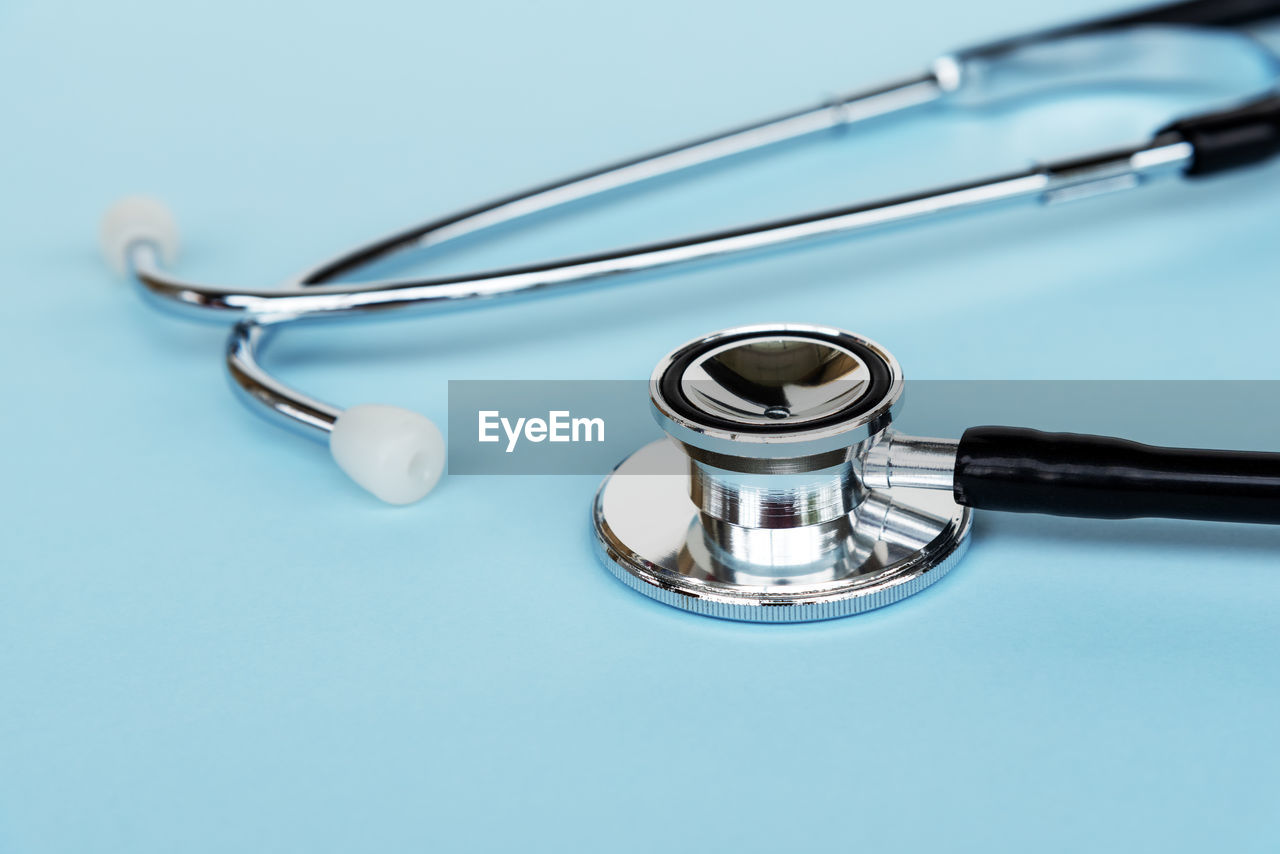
<point x="1160" y="44"/>
<point x="1056" y="182"/>
<point x="323" y="297"/>
<point x="254" y="384"/>
<point x="269" y="396"/>
<point x="1053" y="182"/>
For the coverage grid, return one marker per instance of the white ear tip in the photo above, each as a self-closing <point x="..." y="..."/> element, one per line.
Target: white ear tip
<point x="396" y="454"/>
<point x="137" y="219"/>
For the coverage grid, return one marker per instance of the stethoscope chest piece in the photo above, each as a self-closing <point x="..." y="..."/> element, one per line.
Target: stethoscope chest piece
<point x="755" y="507"/>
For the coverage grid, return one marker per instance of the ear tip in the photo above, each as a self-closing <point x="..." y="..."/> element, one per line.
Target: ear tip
<point x="396" y="454"/>
<point x="135" y="219"/>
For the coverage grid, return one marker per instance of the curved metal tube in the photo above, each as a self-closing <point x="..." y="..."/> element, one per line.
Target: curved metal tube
<point x="835" y="113"/>
<point x="263" y="311"/>
<point x="322" y="298"/>
<point x="1067" y="180"/>
<point x="965" y="78"/>
<point x="305" y="301"/>
<point x="265" y="394"/>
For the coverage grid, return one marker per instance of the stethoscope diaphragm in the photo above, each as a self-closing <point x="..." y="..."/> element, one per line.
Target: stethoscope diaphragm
<point x="756" y="506"/>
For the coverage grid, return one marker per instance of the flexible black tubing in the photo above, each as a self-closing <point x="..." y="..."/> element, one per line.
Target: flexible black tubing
<point x="1067" y="474"/>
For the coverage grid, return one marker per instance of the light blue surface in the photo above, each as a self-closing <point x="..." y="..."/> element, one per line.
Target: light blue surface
<point x="209" y="641"/>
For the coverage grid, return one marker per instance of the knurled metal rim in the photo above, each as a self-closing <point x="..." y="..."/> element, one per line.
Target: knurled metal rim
<point x="905" y="578"/>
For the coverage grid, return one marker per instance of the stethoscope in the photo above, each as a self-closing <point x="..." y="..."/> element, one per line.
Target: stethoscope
<point x="782" y="493"/>
<point x="398" y="455"/>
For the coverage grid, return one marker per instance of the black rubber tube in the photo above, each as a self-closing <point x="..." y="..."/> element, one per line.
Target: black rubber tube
<point x="1067" y="474"/>
<point x="1197" y="13"/>
<point x="1205" y="13"/>
<point x="1231" y="138"/>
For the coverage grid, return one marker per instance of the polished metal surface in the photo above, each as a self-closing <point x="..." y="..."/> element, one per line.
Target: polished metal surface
<point x="255" y="385"/>
<point x="771" y="418"/>
<point x="910" y="461"/>
<point x="323" y="299"/>
<point x="306" y="301"/>
<point x="267" y="395"/>
<point x="1079" y="56"/>
<point x="1051" y="60"/>
<point x="650" y="535"/>
<point x="808" y="375"/>
<point x="779" y="380"/>
<point x="749" y="534"/>
<point x="314" y="301"/>
<point x="774" y="500"/>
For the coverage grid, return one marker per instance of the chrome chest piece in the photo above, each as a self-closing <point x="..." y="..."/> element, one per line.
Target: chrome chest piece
<point x="759" y="505"/>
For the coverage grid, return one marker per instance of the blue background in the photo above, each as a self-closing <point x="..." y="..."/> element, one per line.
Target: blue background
<point x="210" y="641"/>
